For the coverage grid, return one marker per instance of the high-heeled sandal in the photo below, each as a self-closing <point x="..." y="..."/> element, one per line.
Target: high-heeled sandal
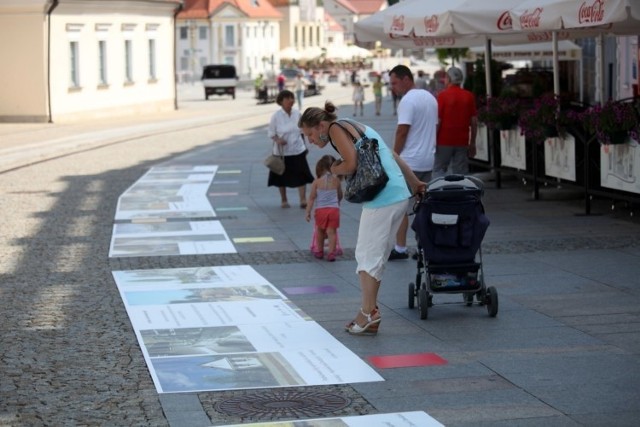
<point x="373" y="313"/>
<point x="369" y="328"/>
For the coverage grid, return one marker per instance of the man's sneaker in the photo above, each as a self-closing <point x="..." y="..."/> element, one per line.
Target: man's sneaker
<point x="397" y="255"/>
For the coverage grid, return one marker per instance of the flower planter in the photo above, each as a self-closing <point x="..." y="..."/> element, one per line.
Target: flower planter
<point x="620" y="166"/>
<point x="512" y="149"/>
<point x="551" y="132"/>
<point x="560" y="157"/>
<point x="482" y="143"/>
<point x="620" y="137"/>
<point x="509" y="124"/>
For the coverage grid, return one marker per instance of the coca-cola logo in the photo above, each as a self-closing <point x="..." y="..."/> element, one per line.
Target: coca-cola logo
<point x="431" y="24"/>
<point x="531" y="19"/>
<point x="591" y="14"/>
<point x="397" y="23"/>
<point x="504" y="21"/>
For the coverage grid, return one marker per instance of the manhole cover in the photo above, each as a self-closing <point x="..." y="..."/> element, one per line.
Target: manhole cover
<point x="282" y="404"/>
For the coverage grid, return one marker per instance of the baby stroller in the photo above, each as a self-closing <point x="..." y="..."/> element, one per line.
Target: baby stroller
<point x="450" y="224"/>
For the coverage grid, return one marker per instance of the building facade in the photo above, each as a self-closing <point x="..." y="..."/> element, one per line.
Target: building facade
<point x="348" y="12"/>
<point x="244" y="33"/>
<point x="79" y="59"/>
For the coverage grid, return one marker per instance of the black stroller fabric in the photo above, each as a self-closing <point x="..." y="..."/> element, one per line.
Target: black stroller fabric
<point x="450" y="230"/>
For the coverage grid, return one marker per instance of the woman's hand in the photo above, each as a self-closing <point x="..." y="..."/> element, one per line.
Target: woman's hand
<point x="419" y="189"/>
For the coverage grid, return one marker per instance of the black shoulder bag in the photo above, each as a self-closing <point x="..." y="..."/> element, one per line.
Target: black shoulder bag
<point x="369" y="178"/>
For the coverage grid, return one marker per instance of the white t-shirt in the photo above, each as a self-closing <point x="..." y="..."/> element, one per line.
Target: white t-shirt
<point x="286" y="127"/>
<point x="419" y="109"/>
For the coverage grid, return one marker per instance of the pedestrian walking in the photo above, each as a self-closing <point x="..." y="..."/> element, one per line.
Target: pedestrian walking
<point x="358" y="98"/>
<point x="377" y="94"/>
<point x="285" y="134"/>
<point x="457" y="126"/>
<point x="421" y="81"/>
<point x="415" y="137"/>
<point x="299" y="87"/>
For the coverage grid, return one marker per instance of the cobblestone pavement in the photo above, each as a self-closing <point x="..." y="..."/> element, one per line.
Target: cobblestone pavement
<point x="69" y="355"/>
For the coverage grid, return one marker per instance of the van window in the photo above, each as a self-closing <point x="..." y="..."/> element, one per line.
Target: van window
<point x="219" y="72"/>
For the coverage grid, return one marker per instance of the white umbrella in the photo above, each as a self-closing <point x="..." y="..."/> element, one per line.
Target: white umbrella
<point x="371" y="29"/>
<point x="346" y="52"/>
<point x="453" y="23"/>
<point x="289" y="53"/>
<point x="311" y="52"/>
<point x="583" y="19"/>
<point x="338" y="53"/>
<point x="449" y="18"/>
<point x="359" y="52"/>
<point x="567" y="51"/>
<point x="605" y="16"/>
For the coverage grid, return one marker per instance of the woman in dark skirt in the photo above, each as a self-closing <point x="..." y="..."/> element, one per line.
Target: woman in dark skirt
<point x="286" y="136"/>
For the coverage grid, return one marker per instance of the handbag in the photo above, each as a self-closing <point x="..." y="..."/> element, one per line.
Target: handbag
<point x="370" y="177"/>
<point x="274" y="162"/>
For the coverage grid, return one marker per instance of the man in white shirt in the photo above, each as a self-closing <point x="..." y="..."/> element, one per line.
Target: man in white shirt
<point x="415" y="138"/>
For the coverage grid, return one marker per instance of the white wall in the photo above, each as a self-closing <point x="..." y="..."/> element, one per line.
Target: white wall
<point x="23" y="93"/>
<point x="29" y="74"/>
<point x="143" y="93"/>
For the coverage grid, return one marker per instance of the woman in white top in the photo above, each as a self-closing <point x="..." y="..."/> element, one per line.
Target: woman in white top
<point x="285" y="134"/>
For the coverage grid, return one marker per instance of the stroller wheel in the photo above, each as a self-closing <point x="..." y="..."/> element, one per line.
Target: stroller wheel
<point x="480" y="297"/>
<point x="412" y="295"/>
<point x="423" y="303"/>
<point x="492" y="301"/>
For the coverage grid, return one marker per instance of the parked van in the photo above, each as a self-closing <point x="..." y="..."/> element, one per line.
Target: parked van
<point x="219" y="80"/>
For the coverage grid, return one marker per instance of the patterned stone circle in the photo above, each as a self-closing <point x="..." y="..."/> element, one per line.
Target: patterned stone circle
<point x="278" y="404"/>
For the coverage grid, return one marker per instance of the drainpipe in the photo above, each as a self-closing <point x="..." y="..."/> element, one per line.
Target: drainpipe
<point x="175" y="55"/>
<point x="53" y="5"/>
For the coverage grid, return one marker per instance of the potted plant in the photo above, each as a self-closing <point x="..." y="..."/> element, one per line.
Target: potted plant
<point x="500" y="112"/>
<point x="614" y="122"/>
<point x="545" y="118"/>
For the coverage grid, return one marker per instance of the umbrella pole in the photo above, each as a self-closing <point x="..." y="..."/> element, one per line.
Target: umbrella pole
<point x="600" y="64"/>
<point x="487" y="67"/>
<point x="491" y="135"/>
<point x="556" y="65"/>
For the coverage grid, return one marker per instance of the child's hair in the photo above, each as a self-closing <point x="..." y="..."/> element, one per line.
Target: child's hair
<point x="324" y="164"/>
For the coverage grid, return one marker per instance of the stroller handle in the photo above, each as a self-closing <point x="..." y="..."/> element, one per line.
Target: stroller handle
<point x="457" y="183"/>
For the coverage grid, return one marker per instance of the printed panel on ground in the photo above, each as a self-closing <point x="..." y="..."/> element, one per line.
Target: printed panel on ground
<point x="169" y="238"/>
<point x="221" y="328"/>
<point x="398" y="419"/>
<point x="168" y="192"/>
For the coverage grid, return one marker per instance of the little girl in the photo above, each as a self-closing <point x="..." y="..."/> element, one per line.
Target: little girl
<point x="358" y="98"/>
<point x="326" y="194"/>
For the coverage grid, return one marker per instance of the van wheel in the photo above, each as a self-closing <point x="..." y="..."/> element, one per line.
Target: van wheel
<point x="206" y="97"/>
